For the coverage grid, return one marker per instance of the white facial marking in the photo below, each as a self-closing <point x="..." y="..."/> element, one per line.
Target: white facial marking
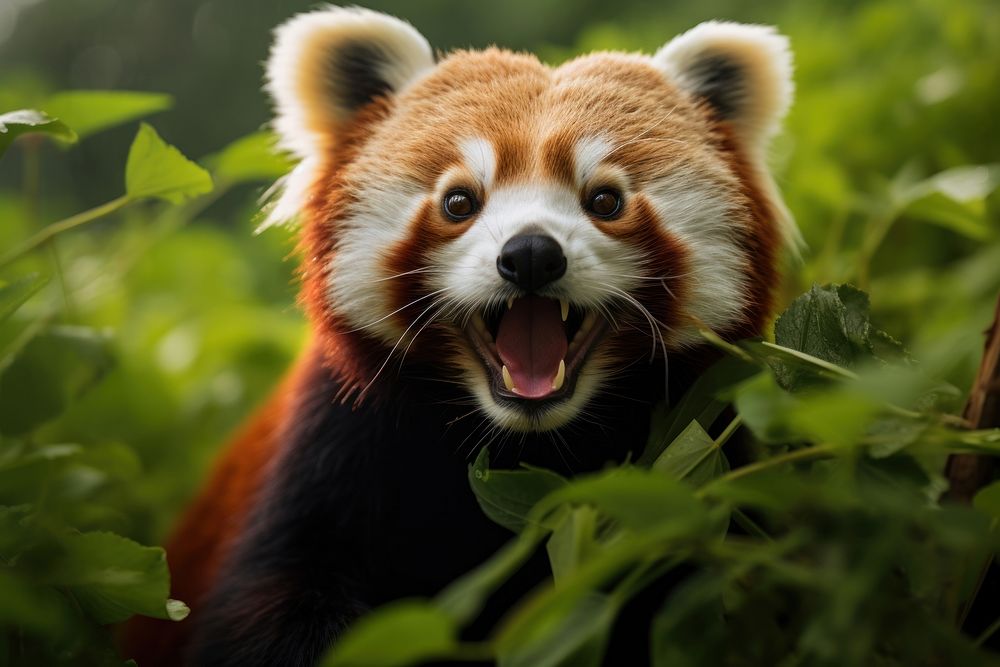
<point x="587" y="155"/>
<point x="595" y="261"/>
<point x="480" y="158"/>
<point x="597" y="266"/>
<point x="699" y="212"/>
<point x="358" y="282"/>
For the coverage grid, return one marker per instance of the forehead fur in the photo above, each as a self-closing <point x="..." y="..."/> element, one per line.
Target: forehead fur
<point x="535" y="117"/>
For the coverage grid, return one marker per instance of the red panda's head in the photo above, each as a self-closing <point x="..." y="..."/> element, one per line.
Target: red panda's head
<point x="528" y="231"/>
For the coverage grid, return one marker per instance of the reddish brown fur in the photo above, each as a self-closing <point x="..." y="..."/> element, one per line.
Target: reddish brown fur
<point x="762" y="243"/>
<point x="207" y="530"/>
<point x="533" y="117"/>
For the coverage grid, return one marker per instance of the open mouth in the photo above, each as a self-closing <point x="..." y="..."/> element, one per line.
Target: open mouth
<point x="534" y="346"/>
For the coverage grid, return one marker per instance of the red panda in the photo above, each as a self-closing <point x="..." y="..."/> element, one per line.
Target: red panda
<point x="493" y="252"/>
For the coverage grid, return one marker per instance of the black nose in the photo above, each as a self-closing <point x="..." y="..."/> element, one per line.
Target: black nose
<point x="531" y="261"/>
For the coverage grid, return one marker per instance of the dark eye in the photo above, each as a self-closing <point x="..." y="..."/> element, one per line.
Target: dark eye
<point x="459" y="205"/>
<point x="606" y="203"/>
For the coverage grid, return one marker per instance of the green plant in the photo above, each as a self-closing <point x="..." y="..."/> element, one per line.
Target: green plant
<point x="830" y="549"/>
<point x="63" y="576"/>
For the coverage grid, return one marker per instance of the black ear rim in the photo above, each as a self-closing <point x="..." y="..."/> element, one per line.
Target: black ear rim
<point x="721" y="82"/>
<point x="356" y="73"/>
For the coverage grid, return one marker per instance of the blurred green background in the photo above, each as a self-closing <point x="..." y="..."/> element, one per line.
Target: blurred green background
<point x="888" y="164"/>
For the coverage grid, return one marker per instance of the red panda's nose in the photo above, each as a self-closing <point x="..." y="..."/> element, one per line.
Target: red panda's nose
<point x="531" y="261"/>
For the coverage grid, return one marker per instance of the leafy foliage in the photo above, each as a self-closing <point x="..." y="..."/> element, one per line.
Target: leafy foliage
<point x="831" y="549"/>
<point x="64" y="577"/>
<point x="155" y="169"/>
<point x="27" y="121"/>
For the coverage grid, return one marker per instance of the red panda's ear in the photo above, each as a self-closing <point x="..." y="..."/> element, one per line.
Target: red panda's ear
<point x="327" y="64"/>
<point x="743" y="71"/>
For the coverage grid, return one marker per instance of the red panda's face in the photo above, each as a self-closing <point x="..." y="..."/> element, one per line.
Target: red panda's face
<point x="529" y="231"/>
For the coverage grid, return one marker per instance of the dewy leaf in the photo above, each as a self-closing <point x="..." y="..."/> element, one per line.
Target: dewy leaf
<point x="400" y="633"/>
<point x="26" y="121"/>
<point x="91" y="111"/>
<point x="250" y="158"/>
<point x="13" y="295"/>
<point x="112" y="578"/>
<point x="156" y="169"/>
<point x="507" y="496"/>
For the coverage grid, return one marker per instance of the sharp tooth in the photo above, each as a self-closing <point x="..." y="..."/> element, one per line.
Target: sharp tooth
<point x="564" y="307"/>
<point x="557" y="382"/>
<point x="508" y="381"/>
<point x="510" y="302"/>
<point x="588" y="321"/>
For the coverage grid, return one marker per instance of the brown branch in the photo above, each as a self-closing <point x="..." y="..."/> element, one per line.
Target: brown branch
<point x="967" y="473"/>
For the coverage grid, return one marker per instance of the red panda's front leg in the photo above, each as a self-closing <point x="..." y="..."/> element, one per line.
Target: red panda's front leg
<point x="298" y="575"/>
<point x="360" y="508"/>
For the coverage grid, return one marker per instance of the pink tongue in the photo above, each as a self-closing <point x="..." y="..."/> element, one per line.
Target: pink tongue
<point x="531" y="342"/>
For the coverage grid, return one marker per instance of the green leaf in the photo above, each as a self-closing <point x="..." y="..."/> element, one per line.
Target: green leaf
<point x="639" y="499"/>
<point x="764" y="407"/>
<point x="953" y="199"/>
<point x="828" y="322"/>
<point x="28" y="121"/>
<point x="156" y="169"/>
<point x="570" y="637"/>
<point x="692" y="456"/>
<point x="13" y="295"/>
<point x="941" y="210"/>
<point x="573" y="541"/>
<point x="463" y="598"/>
<point x="112" y="578"/>
<point x="401" y="633"/>
<point x="49" y="373"/>
<point x="689" y="630"/>
<point x="250" y="158"/>
<point x="988" y="500"/>
<point x="838" y="416"/>
<point x="31" y="607"/>
<point x="91" y="111"/>
<point x="507" y="496"/>
<point x="700" y="402"/>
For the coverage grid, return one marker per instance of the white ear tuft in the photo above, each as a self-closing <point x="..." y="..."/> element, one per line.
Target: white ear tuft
<point x="327" y="64"/>
<point x="743" y="71"/>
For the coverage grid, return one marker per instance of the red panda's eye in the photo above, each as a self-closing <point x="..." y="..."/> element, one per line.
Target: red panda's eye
<point x="459" y="205"/>
<point x="606" y="203"/>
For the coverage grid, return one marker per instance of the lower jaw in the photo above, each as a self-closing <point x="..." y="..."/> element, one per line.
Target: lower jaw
<point x="523" y="415"/>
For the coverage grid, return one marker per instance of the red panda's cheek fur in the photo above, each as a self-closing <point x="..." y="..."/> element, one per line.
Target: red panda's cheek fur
<point x="665" y="261"/>
<point x="761" y="242"/>
<point x="413" y="303"/>
<point x="350" y="356"/>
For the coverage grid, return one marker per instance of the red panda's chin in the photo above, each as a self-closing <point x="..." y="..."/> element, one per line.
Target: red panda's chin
<point x="528" y="388"/>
